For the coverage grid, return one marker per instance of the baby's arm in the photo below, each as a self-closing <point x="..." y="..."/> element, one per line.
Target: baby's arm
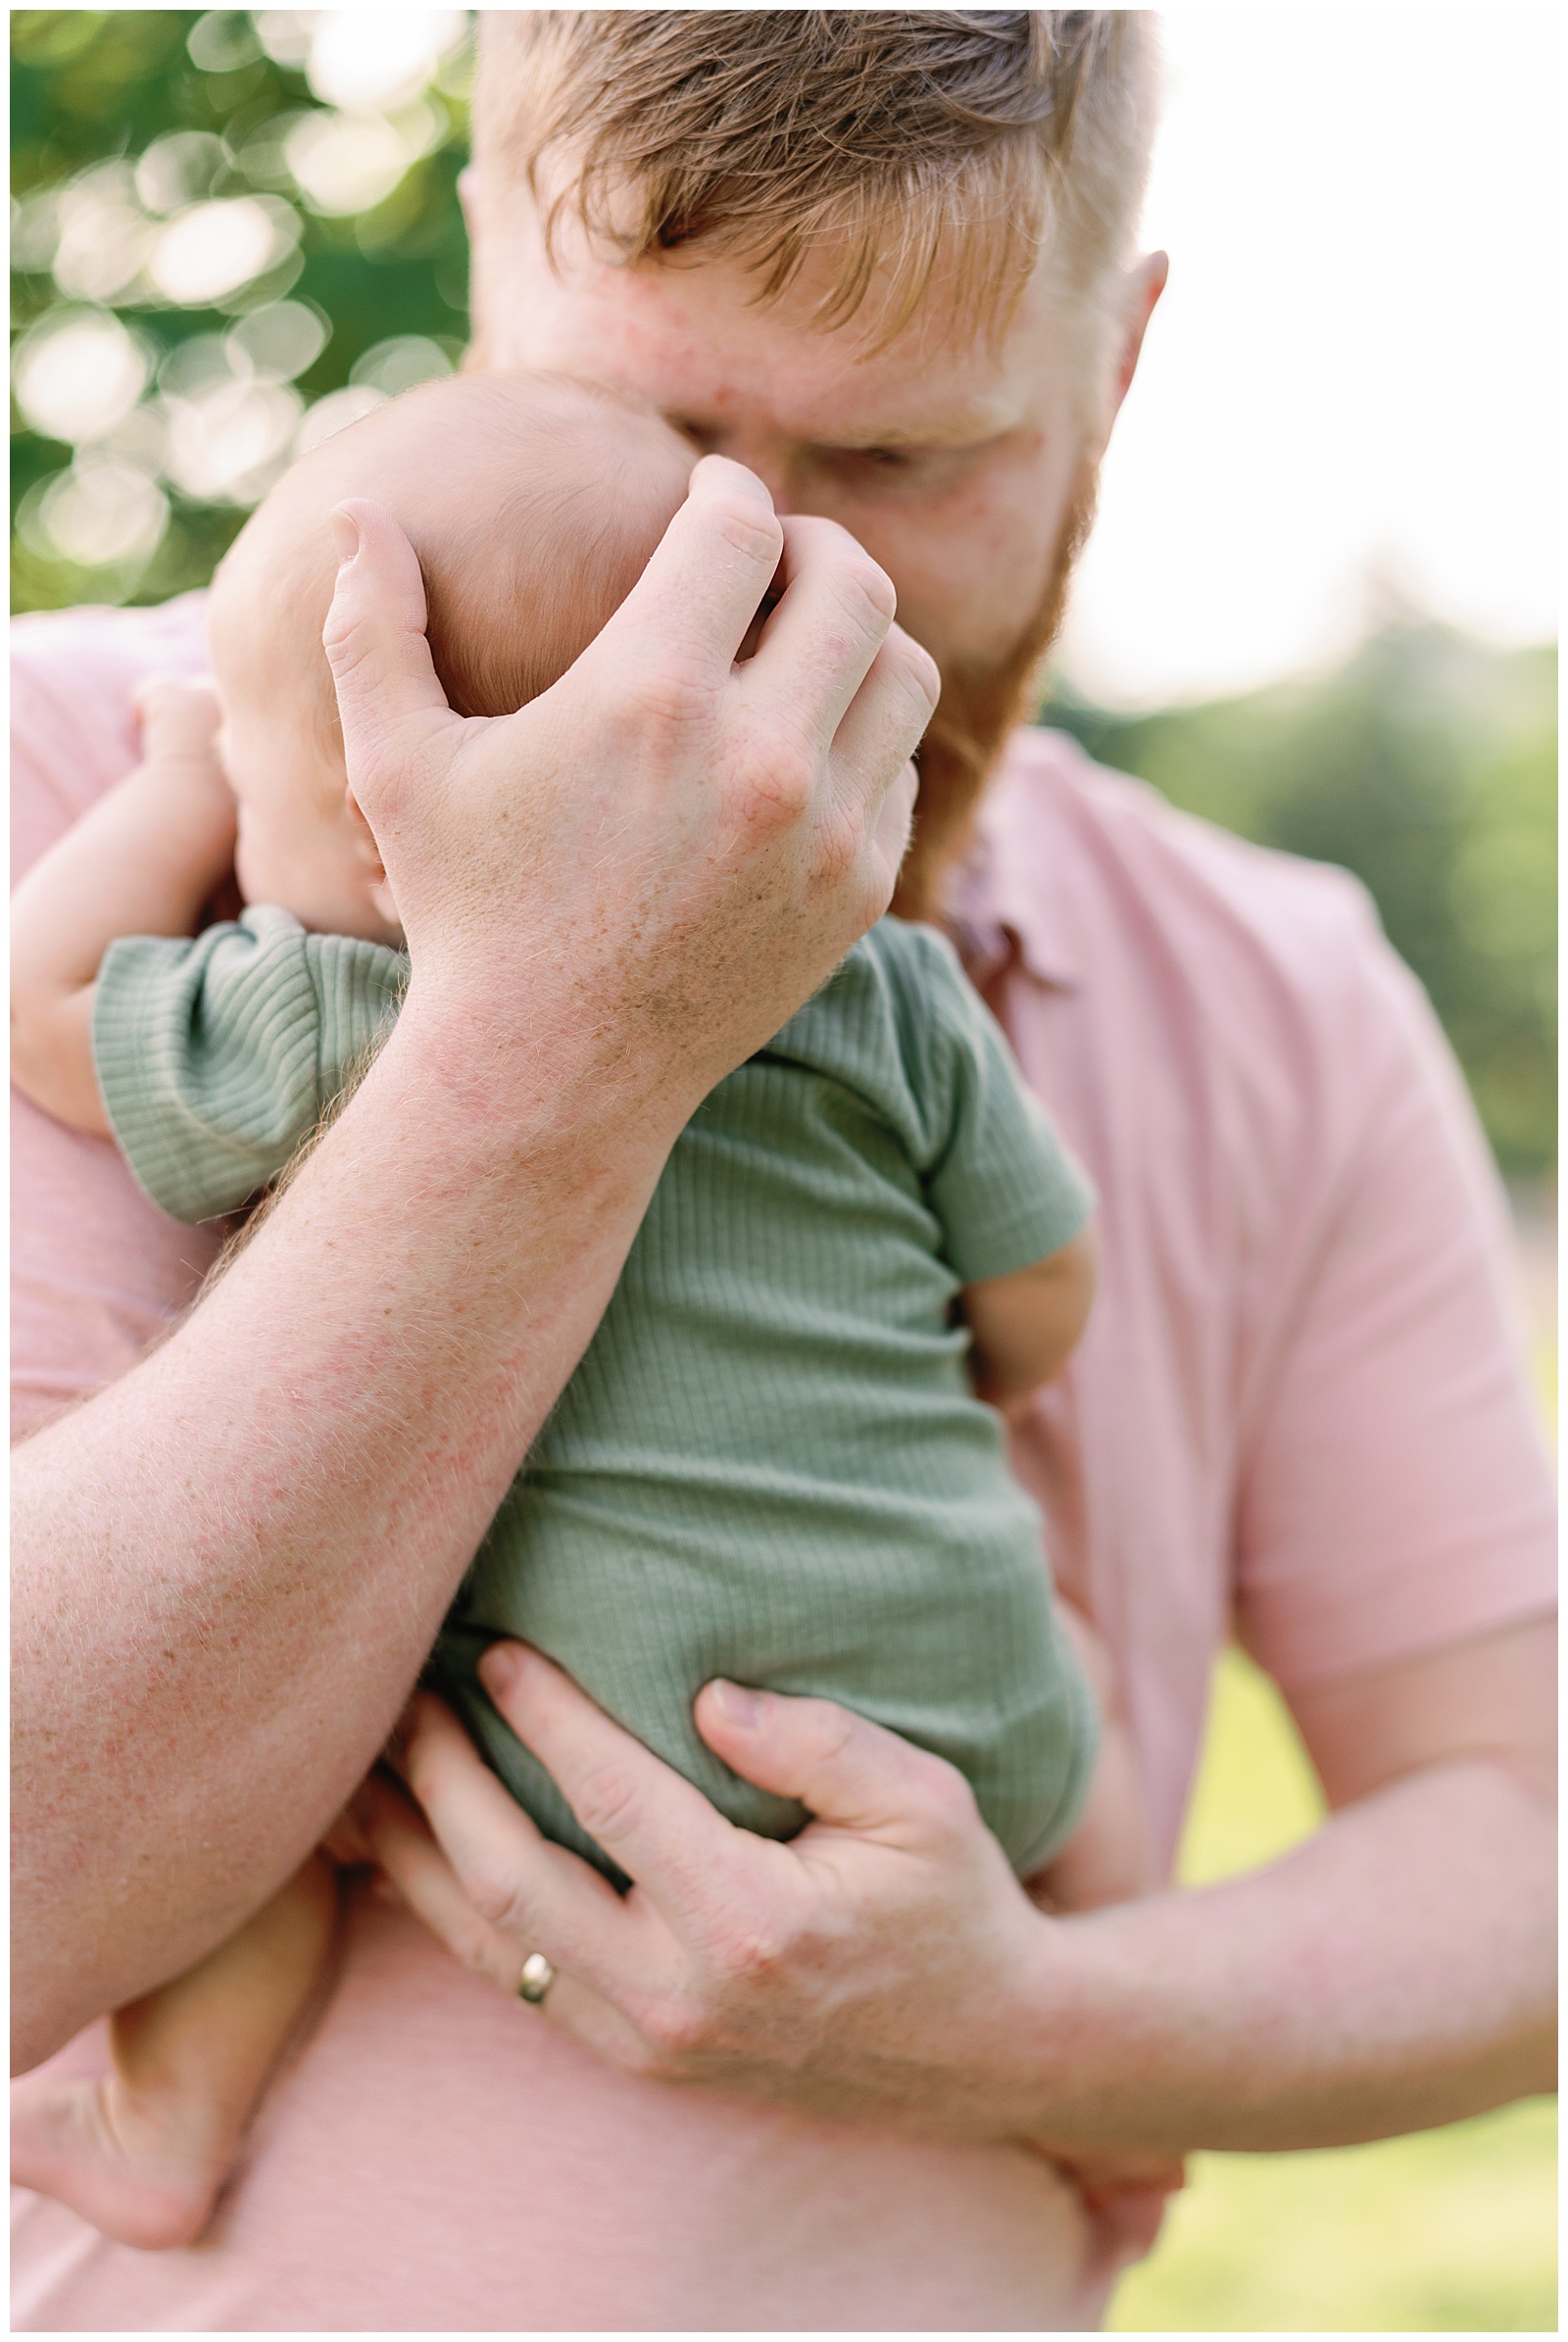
<point x="1025" y="1324"/>
<point x="143" y="861"/>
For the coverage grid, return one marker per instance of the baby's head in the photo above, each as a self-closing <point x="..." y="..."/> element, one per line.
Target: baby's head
<point x="533" y="504"/>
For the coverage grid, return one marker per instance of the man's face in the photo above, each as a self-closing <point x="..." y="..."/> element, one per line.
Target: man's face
<point x="954" y="460"/>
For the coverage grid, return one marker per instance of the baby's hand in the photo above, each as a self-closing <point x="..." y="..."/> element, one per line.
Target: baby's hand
<point x="180" y="778"/>
<point x="1127" y="2193"/>
<point x="180" y="717"/>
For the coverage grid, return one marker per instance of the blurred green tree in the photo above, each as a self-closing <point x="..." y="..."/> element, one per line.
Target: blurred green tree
<point x="1427" y="766"/>
<point x="233" y="231"/>
<point x="219" y="220"/>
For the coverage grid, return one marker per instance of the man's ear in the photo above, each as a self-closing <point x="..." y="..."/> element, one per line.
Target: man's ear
<point x="1148" y="280"/>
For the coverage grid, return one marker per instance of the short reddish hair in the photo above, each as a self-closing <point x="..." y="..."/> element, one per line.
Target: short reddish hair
<point x="878" y="136"/>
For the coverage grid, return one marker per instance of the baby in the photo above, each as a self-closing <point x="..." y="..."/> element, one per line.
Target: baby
<point x="781" y="1459"/>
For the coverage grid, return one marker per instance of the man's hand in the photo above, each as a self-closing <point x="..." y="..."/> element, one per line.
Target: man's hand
<point x="742" y="821"/>
<point x="870" y="1966"/>
<point x="1395" y="1971"/>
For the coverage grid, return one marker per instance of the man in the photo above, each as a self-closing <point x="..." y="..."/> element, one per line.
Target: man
<point x="882" y="261"/>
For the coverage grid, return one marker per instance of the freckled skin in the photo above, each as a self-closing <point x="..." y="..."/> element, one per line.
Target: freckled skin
<point x="951" y="460"/>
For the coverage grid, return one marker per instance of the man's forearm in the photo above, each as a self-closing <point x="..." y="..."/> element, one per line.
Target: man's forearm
<point x="1395" y="1972"/>
<point x="232" y="1562"/>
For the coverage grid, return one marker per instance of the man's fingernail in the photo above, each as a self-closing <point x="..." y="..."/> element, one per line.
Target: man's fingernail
<point x="345" y="535"/>
<point x="747" y="482"/>
<point x="499" y="1668"/>
<point x="735" y="1703"/>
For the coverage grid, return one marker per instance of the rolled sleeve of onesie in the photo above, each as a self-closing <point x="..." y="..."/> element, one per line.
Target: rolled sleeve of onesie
<point x="218" y="1057"/>
<point x="1003" y="1181"/>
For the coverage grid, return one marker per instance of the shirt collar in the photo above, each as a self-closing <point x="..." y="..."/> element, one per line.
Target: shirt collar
<point x="1004" y="896"/>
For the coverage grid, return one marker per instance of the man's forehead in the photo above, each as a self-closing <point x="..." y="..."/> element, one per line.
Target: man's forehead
<point x="692" y="335"/>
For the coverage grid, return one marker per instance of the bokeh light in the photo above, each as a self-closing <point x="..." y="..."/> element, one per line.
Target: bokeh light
<point x="400" y="363"/>
<point x="378" y="57"/>
<point x="348" y="162"/>
<point x="223" y="41"/>
<point x="230" y="441"/>
<point x="235" y="234"/>
<point x="181" y="169"/>
<point x="101" y="513"/>
<point x="78" y="372"/>
<point x="102" y="236"/>
<point x="214" y="248"/>
<point x="280" y="339"/>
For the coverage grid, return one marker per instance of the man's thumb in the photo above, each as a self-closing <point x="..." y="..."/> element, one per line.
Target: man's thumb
<point x="374" y="638"/>
<point x="843" y="1768"/>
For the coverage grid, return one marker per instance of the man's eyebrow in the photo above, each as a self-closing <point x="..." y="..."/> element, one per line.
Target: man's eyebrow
<point x="956" y="432"/>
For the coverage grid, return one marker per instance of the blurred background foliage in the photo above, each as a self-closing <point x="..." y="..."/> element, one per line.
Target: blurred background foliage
<point x="232" y="232"/>
<point x="1428" y="765"/>
<point x="1450" y="2231"/>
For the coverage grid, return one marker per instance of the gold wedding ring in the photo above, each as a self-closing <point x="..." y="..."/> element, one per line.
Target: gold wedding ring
<point x="536" y="1979"/>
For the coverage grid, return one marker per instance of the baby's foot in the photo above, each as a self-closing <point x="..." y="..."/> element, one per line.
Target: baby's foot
<point x="145" y="2170"/>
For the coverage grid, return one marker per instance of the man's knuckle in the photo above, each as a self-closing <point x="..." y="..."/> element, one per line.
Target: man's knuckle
<point x="349" y="653"/>
<point x="666" y="700"/>
<point x="752" y="1950"/>
<point x="421" y="1771"/>
<point x="779" y="786"/>
<point x="675" y="2027"/>
<point x="495" y="1896"/>
<point x="834" y="1732"/>
<point x="838" y="847"/>
<point x="913" y="669"/>
<point x="949" y="1799"/>
<point x="870" y="594"/>
<point x="742" y="523"/>
<point x="473" y="1945"/>
<point x="642" y="2059"/>
<point x="872" y="899"/>
<point x="606" y="1801"/>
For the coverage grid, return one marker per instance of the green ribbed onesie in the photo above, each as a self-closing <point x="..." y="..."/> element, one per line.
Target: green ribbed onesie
<point x="769" y="1464"/>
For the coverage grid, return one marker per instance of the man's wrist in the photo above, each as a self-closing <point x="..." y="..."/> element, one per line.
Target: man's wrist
<point x="540" y="1076"/>
<point x="1098" y="2051"/>
<point x="1058" y="2021"/>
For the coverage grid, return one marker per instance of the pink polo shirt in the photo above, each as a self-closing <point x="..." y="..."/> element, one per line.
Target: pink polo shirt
<point x="1299" y="1413"/>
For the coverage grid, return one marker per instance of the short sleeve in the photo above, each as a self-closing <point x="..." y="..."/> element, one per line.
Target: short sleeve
<point x="217" y="1058"/>
<point x="1002" y="1182"/>
<point x="1394" y="1493"/>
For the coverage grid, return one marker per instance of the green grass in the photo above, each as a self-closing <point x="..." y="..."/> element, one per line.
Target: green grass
<point x="1451" y="2231"/>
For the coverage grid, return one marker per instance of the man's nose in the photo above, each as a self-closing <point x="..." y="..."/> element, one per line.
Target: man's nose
<point x="758" y="452"/>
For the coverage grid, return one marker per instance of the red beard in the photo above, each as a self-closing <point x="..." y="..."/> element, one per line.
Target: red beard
<point x="979" y="707"/>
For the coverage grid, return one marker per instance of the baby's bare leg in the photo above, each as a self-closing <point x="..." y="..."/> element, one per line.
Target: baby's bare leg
<point x="143" y="2150"/>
